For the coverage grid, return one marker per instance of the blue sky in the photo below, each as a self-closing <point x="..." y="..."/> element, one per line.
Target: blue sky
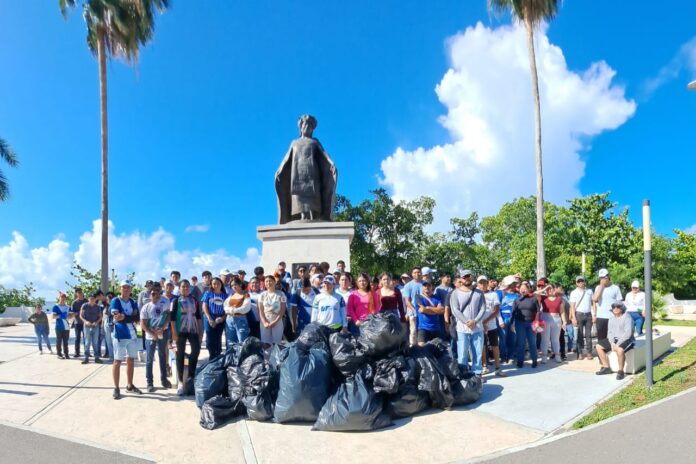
<point x="199" y="126"/>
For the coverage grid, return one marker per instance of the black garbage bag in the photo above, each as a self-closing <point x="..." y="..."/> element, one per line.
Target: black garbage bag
<point x="250" y="346"/>
<point x="312" y="334"/>
<point x="258" y="391"/>
<point x="446" y="359"/>
<point x="466" y="391"/>
<point x="210" y="380"/>
<point x="259" y="406"/>
<point x="304" y="384"/>
<point x="218" y="410"/>
<point x="407" y="401"/>
<point x="388" y="375"/>
<point x="347" y="354"/>
<point x="381" y="334"/>
<point x="354" y="407"/>
<point x="432" y="378"/>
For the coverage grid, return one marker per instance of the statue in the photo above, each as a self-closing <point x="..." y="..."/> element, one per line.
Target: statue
<point x="306" y="179"/>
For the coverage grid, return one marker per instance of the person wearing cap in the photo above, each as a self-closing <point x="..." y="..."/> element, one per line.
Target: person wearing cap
<point x="402" y="281"/>
<point x="213" y="306"/>
<point x="524" y="311"/>
<point x="125" y="313"/>
<point x="168" y="294"/>
<point x="242" y="277"/>
<point x="490" y="326"/>
<point x="329" y="308"/>
<point x="237" y="305"/>
<point x="185" y="320"/>
<point x="582" y="313"/>
<point x="91" y="317"/>
<point x="272" y="307"/>
<point x="619" y="339"/>
<point x="154" y="320"/>
<point x="259" y="273"/>
<point x="430" y="310"/>
<point x="316" y="280"/>
<point x="411" y="291"/>
<point x="77" y="324"/>
<point x="605" y="294"/>
<point x="468" y="306"/>
<point x="62" y="315"/>
<point x="175" y="277"/>
<point x="507" y="339"/>
<point x="635" y="304"/>
<point x="226" y="278"/>
<point x="360" y="304"/>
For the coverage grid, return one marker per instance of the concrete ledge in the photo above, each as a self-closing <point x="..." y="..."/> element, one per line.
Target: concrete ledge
<point x="635" y="359"/>
<point x="306" y="230"/>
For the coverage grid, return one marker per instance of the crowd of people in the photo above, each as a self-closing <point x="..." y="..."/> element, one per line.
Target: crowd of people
<point x="483" y="319"/>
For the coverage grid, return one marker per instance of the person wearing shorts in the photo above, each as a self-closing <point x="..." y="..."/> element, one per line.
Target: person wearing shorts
<point x="490" y="326"/>
<point x="125" y="314"/>
<point x="619" y="339"/>
<point x="430" y="310"/>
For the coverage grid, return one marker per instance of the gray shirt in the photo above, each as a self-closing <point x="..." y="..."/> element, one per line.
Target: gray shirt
<point x="609" y="296"/>
<point x="620" y="328"/>
<point x="467" y="306"/>
<point x="91" y="313"/>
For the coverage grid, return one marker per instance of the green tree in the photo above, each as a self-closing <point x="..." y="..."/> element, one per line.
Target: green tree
<point x="13" y="297"/>
<point x="90" y="281"/>
<point x="684" y="260"/>
<point x="532" y="13"/>
<point x="115" y="29"/>
<point x="10" y="157"/>
<point x="388" y="235"/>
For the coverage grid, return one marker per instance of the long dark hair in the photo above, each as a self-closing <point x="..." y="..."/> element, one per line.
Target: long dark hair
<point x="364" y="275"/>
<point x="222" y="284"/>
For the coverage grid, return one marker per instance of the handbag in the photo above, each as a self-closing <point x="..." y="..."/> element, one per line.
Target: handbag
<point x="538" y="325"/>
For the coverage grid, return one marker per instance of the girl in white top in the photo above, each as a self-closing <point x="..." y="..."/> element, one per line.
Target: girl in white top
<point x="272" y="307"/>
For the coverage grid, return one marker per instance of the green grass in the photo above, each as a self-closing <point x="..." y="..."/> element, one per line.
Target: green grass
<point x="676" y="373"/>
<point x="675" y="322"/>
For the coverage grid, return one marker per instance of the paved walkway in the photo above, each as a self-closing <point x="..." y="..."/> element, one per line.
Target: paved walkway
<point x="65" y="398"/>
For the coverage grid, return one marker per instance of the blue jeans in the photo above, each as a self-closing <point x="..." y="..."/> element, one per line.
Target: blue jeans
<point x="108" y="340"/>
<point x="638" y="321"/>
<point x="91" y="337"/>
<point x="236" y="329"/>
<point x="524" y="334"/>
<point x="570" y="333"/>
<point x="41" y="332"/>
<point x="507" y="341"/>
<point x="161" y="347"/>
<point x="470" y="342"/>
<point x="213" y="337"/>
<point x="353" y="329"/>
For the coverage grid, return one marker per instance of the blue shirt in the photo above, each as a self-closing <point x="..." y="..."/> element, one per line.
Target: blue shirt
<point x="429" y="322"/>
<point x="215" y="302"/>
<point x="411" y="291"/>
<point x="124" y="330"/>
<point x="62" y="312"/>
<point x="506" y="305"/>
<point x="304" y="306"/>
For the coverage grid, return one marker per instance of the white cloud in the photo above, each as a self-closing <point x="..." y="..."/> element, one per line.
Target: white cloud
<point x="691" y="230"/>
<point x="685" y="58"/>
<point x="490" y="118"/>
<point x="150" y="256"/>
<point x="197" y="228"/>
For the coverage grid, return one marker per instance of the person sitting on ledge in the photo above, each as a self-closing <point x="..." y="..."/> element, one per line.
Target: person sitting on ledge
<point x="619" y="339"/>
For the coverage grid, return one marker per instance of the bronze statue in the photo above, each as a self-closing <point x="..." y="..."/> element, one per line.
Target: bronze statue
<point x="306" y="179"/>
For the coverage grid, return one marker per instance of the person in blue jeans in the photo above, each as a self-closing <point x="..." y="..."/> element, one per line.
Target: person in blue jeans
<point x="154" y="319"/>
<point x="635" y="304"/>
<point x="40" y="321"/>
<point x="237" y="305"/>
<point x="508" y="342"/>
<point x="468" y="306"/>
<point x="524" y="311"/>
<point x="213" y="305"/>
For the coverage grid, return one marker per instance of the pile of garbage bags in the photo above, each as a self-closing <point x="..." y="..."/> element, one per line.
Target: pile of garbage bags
<point x="335" y="380"/>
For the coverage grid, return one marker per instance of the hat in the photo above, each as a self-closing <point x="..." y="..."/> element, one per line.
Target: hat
<point x="149" y="282"/>
<point x="580" y="279"/>
<point x="464" y="273"/>
<point x="635" y="284"/>
<point x="426" y="270"/>
<point x="482" y="278"/>
<point x="405" y="276"/>
<point x="507" y="281"/>
<point x="126" y="283"/>
<point x="225" y="272"/>
<point x="541" y="283"/>
<point x="314" y="276"/>
<point x="329" y="279"/>
<point x="241" y="271"/>
<point x="169" y="282"/>
<point x="336" y="271"/>
<point x="603" y="273"/>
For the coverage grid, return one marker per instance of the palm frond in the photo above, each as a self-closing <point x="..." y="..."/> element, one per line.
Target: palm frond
<point x="4" y="188"/>
<point x="7" y="154"/>
<point x="538" y="10"/>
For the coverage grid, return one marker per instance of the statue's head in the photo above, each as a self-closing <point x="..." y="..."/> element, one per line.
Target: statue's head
<point x="307" y="123"/>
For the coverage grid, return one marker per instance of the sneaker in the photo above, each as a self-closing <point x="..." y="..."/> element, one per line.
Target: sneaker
<point x="181" y="391"/>
<point x="499" y="373"/>
<point x="85" y="362"/>
<point x="534" y="364"/>
<point x="543" y="360"/>
<point x="150" y="388"/>
<point x="485" y="370"/>
<point x="603" y="371"/>
<point x="563" y="358"/>
<point x="60" y="356"/>
<point x="133" y="389"/>
<point x="166" y="384"/>
<point x="117" y="394"/>
<point x="77" y="355"/>
<point x="559" y="359"/>
<point x="620" y="375"/>
<point x="520" y="365"/>
<point x="98" y="361"/>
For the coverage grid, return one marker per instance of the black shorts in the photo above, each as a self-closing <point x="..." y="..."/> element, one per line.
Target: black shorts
<point x="606" y="345"/>
<point x="424" y="336"/>
<point x="492" y="337"/>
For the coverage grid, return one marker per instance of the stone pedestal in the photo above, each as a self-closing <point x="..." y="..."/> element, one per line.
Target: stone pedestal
<point x="305" y="242"/>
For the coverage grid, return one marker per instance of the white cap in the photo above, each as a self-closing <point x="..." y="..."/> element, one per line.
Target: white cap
<point x="225" y="272"/>
<point x="426" y="270"/>
<point x="603" y="273"/>
<point x="507" y="281"/>
<point x="635" y="284"/>
<point x="169" y="282"/>
<point x="482" y="278"/>
<point x="126" y="283"/>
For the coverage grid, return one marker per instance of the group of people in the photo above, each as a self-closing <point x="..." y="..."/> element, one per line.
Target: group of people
<point x="482" y="318"/>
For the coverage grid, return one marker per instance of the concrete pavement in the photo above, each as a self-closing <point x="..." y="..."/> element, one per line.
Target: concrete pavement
<point x="66" y="398"/>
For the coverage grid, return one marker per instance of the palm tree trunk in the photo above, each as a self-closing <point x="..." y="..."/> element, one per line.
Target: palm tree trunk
<point x="101" y="54"/>
<point x="541" y="255"/>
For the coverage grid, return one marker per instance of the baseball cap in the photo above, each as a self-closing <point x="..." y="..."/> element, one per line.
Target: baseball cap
<point x="635" y="284"/>
<point x="580" y="279"/>
<point x="225" y="272"/>
<point x="329" y="279"/>
<point x="405" y="276"/>
<point x="541" y="283"/>
<point x="482" y="278"/>
<point x="507" y="281"/>
<point x="603" y="273"/>
<point x="426" y="270"/>
<point x="126" y="283"/>
<point x="464" y="273"/>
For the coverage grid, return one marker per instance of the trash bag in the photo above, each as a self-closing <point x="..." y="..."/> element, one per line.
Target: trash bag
<point x="407" y="401"/>
<point x="347" y="354"/>
<point x="210" y="380"/>
<point x="259" y="407"/>
<point x="432" y="378"/>
<point x="304" y="384"/>
<point x="250" y="346"/>
<point x="446" y="359"/>
<point x="312" y="334"/>
<point x="381" y="334"/>
<point x="258" y="391"/>
<point x="388" y="375"/>
<point x="466" y="391"/>
<point x="217" y="410"/>
<point x="354" y="407"/>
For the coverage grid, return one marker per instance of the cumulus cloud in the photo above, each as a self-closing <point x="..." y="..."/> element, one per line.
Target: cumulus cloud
<point x="150" y="256"/>
<point x="200" y="228"/>
<point x="490" y="118"/>
<point x="685" y="58"/>
<point x="691" y="230"/>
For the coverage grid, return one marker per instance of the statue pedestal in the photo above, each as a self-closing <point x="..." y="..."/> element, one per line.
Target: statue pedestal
<point x="299" y="243"/>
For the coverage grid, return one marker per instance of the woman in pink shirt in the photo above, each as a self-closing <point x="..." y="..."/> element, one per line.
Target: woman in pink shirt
<point x="360" y="304"/>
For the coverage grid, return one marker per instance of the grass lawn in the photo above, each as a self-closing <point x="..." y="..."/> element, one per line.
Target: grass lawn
<point x="675" y="322"/>
<point x="676" y="372"/>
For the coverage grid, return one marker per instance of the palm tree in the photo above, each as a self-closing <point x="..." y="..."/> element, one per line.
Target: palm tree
<point x="115" y="29"/>
<point x="531" y="13"/>
<point x="10" y="157"/>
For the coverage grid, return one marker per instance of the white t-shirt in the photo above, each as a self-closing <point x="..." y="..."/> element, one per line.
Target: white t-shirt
<point x="271" y="303"/>
<point x="492" y="301"/>
<point x="583" y="304"/>
<point x="609" y="296"/>
<point x="155" y="314"/>
<point x="635" y="301"/>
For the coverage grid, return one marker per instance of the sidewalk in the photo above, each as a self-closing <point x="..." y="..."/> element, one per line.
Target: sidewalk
<point x="70" y="399"/>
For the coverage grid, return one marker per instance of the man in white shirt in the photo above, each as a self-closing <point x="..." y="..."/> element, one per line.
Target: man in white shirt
<point x="635" y="305"/>
<point x="581" y="315"/>
<point x="605" y="295"/>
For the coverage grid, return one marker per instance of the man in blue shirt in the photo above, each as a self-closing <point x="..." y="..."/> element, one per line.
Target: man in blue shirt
<point x="125" y="314"/>
<point x="507" y="340"/>
<point x="430" y="312"/>
<point x="410" y="292"/>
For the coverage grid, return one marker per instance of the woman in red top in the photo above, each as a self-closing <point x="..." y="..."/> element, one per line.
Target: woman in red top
<point x="388" y="298"/>
<point x="554" y="316"/>
<point x="360" y="304"/>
